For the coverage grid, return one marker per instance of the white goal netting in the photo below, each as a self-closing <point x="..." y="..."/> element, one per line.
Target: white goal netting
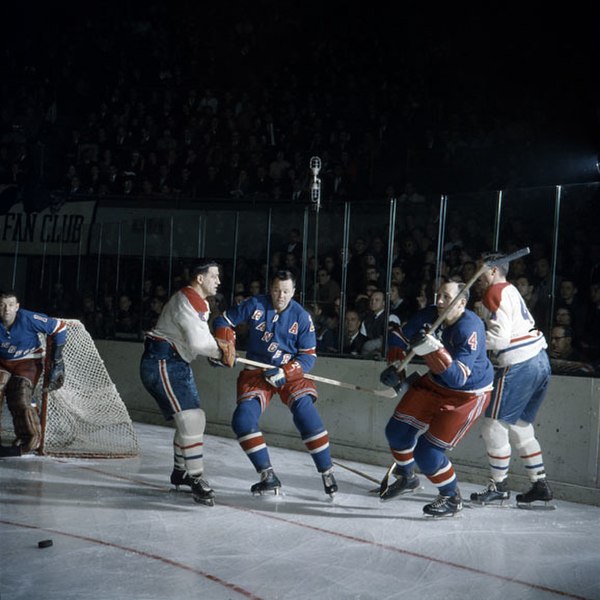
<point x="86" y="417"/>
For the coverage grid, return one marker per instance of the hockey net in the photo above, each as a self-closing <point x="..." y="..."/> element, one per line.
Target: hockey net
<point x="86" y="417"/>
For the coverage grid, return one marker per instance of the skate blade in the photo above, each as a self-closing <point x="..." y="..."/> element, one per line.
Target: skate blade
<point x="273" y="492"/>
<point x="501" y="504"/>
<point x="400" y="494"/>
<point x="536" y="506"/>
<point x="205" y="501"/>
<point x="456" y="515"/>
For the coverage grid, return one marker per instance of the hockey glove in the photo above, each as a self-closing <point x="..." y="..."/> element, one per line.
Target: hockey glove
<point x="225" y="338"/>
<point x="56" y="379"/>
<point x="279" y="376"/>
<point x="391" y="378"/>
<point x="275" y="376"/>
<point x="425" y="343"/>
<point x="436" y="357"/>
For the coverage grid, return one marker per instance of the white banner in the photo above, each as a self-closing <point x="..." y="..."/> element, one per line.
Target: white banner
<point x="63" y="231"/>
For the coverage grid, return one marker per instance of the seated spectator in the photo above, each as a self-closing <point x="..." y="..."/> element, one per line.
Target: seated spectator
<point x="564" y="358"/>
<point x="590" y="339"/>
<point x="152" y="312"/>
<point x="374" y="326"/>
<point x="400" y="304"/>
<point x="569" y="298"/>
<point x="127" y="322"/>
<point x="327" y="288"/>
<point x="354" y="340"/>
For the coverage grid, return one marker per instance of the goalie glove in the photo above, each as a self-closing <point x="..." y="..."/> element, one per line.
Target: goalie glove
<point x="56" y="378"/>
<point x="436" y="357"/>
<point x="279" y="376"/>
<point x="225" y="338"/>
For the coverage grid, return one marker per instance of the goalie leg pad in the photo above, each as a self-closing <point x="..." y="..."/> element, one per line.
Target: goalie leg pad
<point x="190" y="425"/>
<point x="19" y="392"/>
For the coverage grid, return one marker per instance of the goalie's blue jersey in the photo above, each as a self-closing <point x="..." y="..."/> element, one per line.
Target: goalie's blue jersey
<point x="21" y="340"/>
<point x="274" y="338"/>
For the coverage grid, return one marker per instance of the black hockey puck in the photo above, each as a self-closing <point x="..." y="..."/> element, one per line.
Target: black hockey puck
<point x="45" y="544"/>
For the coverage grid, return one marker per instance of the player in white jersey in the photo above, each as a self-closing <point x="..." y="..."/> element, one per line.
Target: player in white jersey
<point x="522" y="374"/>
<point x="181" y="334"/>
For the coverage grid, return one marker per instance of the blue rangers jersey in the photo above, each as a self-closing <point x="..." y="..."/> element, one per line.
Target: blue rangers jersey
<point x="22" y="341"/>
<point x="274" y="338"/>
<point x="471" y="369"/>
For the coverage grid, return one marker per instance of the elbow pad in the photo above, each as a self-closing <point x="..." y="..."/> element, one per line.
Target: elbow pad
<point x="438" y="361"/>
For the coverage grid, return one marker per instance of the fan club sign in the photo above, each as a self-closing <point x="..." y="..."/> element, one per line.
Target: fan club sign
<point x="62" y="231"/>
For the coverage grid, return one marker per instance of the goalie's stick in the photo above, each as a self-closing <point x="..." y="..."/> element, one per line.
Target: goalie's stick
<point x="389" y="393"/>
<point x="401" y="365"/>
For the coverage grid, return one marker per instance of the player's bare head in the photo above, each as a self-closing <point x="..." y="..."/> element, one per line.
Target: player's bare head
<point x="6" y="294"/>
<point x="446" y="294"/>
<point x="283" y="275"/>
<point x="9" y="306"/>
<point x="283" y="288"/>
<point x="502" y="267"/>
<point x="205" y="278"/>
<point x="202" y="267"/>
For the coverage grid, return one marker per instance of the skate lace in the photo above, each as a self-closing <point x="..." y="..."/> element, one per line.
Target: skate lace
<point x="267" y="475"/>
<point x="439" y="501"/>
<point x="202" y="484"/>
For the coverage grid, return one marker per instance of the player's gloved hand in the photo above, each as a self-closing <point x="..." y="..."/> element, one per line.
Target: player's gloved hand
<point x="391" y="377"/>
<point x="56" y="378"/>
<point x="424" y="343"/>
<point x="437" y="358"/>
<point x="225" y="338"/>
<point x="275" y="376"/>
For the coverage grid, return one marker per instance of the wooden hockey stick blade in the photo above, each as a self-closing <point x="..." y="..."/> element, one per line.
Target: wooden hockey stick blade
<point x="400" y="366"/>
<point x="389" y="393"/>
<point x="356" y="472"/>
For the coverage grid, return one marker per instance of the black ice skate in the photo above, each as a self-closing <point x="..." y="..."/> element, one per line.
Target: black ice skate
<point x="180" y="477"/>
<point x="404" y="484"/>
<point x="540" y="492"/>
<point x="444" y="506"/>
<point x="269" y="482"/>
<point x="495" y="493"/>
<point x="329" y="482"/>
<point x="202" y="492"/>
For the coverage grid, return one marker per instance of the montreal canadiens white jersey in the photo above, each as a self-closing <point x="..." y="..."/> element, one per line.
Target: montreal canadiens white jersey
<point x="274" y="338"/>
<point x="183" y="323"/>
<point x="511" y="334"/>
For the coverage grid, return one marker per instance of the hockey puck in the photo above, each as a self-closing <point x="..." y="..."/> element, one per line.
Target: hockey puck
<point x="45" y="544"/>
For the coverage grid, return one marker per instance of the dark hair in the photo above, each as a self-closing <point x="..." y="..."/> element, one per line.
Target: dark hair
<point x="503" y="267"/>
<point x="283" y="275"/>
<point x="201" y="268"/>
<point x="9" y="294"/>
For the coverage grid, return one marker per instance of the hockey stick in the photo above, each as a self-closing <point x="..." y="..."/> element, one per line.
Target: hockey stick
<point x="389" y="393"/>
<point x="356" y="472"/>
<point x="400" y="366"/>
